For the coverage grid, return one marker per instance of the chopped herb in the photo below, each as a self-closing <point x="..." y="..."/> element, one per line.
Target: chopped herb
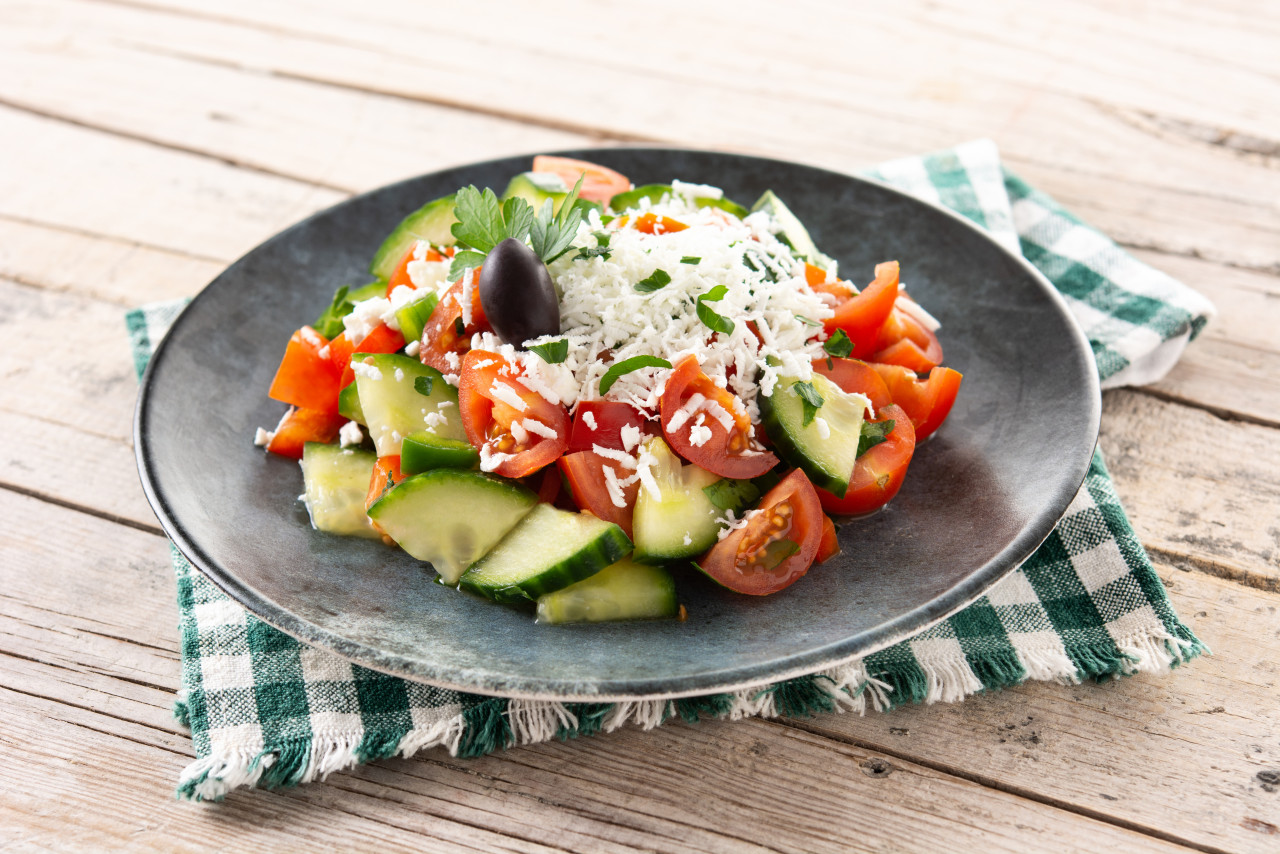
<point x="838" y="344"/>
<point x="691" y="259"/>
<point x="809" y="399"/>
<point x="586" y="253"/>
<point x="422" y="385"/>
<point x="727" y="494"/>
<point x="873" y="433"/>
<point x="484" y="222"/>
<point x="807" y="321"/>
<point x="459" y="327"/>
<point x="626" y="366"/>
<point x="658" y="280"/>
<point x="553" y="352"/>
<point x="715" y="322"/>
<point x="329" y="323"/>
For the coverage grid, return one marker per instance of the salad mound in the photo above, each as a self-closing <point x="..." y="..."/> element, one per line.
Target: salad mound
<point x="560" y="395"/>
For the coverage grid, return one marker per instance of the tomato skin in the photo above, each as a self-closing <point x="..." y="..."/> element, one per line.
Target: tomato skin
<point x="382" y="339"/>
<point x="878" y="473"/>
<point x="400" y="276"/>
<point x="855" y="377"/>
<point x="487" y="418"/>
<point x="386" y="474"/>
<point x="651" y="223"/>
<point x="905" y="341"/>
<point x="299" y="426"/>
<point x="307" y="378"/>
<point x="927" y="402"/>
<point x="440" y="335"/>
<point x="816" y="278"/>
<point x="862" y="316"/>
<point x="829" y="545"/>
<point x="610" y="416"/>
<point x="584" y="472"/>
<point x="729" y="561"/>
<point x="727" y="453"/>
<point x="599" y="183"/>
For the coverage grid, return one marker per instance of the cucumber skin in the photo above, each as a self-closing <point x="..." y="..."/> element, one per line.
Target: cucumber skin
<point x="607" y="547"/>
<point x="654" y="192"/>
<point x="625" y="590"/>
<point x="422" y="224"/>
<point x="787" y="448"/>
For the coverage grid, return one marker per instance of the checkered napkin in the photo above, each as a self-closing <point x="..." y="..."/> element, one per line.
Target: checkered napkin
<point x="267" y="710"/>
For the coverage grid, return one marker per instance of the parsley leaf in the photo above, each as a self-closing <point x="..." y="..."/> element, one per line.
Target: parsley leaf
<point x="329" y="323"/>
<point x="467" y="259"/>
<point x="481" y="222"/>
<point x="422" y="385"/>
<point x="600" y="250"/>
<point x="550" y="234"/>
<point x="838" y="344"/>
<point x="691" y="259"/>
<point x="658" y="280"/>
<point x="552" y="352"/>
<point x="873" y="433"/>
<point x="809" y="399"/>
<point x="626" y="366"/>
<point x="715" y="322"/>
<point x="807" y="321"/>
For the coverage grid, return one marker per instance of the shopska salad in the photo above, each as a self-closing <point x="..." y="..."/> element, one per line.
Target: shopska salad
<point x="560" y="395"/>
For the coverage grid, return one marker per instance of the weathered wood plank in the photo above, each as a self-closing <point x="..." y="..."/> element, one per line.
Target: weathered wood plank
<point x="909" y="86"/>
<point x="75" y="638"/>
<point x="1182" y="752"/>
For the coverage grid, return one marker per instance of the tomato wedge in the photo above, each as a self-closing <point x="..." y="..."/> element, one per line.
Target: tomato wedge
<point x="584" y="471"/>
<point x="382" y="339"/>
<point x="400" y="276"/>
<point x="599" y="183"/>
<point x="878" y="473"/>
<point x="691" y="400"/>
<point x="905" y="341"/>
<point x="855" y="377"/>
<point x="446" y="332"/>
<point x="927" y="402"/>
<point x="299" y="426"/>
<point x="307" y="378"/>
<point x="517" y="431"/>
<point x="862" y="316"/>
<point x="386" y="474"/>
<point x="776" y="546"/>
<point x="829" y="546"/>
<point x="600" y="422"/>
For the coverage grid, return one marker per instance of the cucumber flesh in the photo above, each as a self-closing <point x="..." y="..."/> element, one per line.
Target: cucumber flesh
<point x="392" y="405"/>
<point x="829" y="460"/>
<point x="423" y="451"/>
<point x="655" y="192"/>
<point x="335" y="483"/>
<point x="548" y="550"/>
<point x="793" y="231"/>
<point x="625" y="590"/>
<point x="681" y="523"/>
<point x="450" y="518"/>
<point x="432" y="222"/>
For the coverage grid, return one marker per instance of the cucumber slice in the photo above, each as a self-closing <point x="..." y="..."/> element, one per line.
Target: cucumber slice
<point x="827" y="461"/>
<point x="682" y="522"/>
<point x="548" y="550"/>
<point x="536" y="187"/>
<point x="431" y="222"/>
<point x="336" y="481"/>
<point x="392" y="405"/>
<point x="423" y="451"/>
<point x="414" y="316"/>
<point x="655" y="192"/>
<point x="792" y="231"/>
<point x="451" y="518"/>
<point x="349" y="404"/>
<point x="625" y="590"/>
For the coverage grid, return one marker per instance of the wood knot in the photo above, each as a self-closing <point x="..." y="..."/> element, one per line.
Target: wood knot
<point x="876" y="768"/>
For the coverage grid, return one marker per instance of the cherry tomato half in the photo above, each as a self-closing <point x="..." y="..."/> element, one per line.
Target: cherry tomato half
<point x="855" y="377"/>
<point x="927" y="402"/>
<point x="446" y="332"/>
<point x="905" y="341"/>
<point x="862" y="316"/>
<point x="608" y="418"/>
<point x="599" y="183"/>
<point x="776" y="546"/>
<point x="691" y="397"/>
<point x="878" y="473"/>
<point x="829" y="545"/>
<point x="585" y="473"/>
<point x="506" y="420"/>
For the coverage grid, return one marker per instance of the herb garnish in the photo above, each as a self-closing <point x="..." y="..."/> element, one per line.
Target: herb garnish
<point x="691" y="259"/>
<point x="656" y="281"/>
<point x="873" y="433"/>
<point x="329" y="323"/>
<point x="838" y="344"/>
<point x="422" y="385"/>
<point x="626" y="366"/>
<point x="715" y="322"/>
<point x="810" y="400"/>
<point x="484" y="222"/>
<point x="553" y="352"/>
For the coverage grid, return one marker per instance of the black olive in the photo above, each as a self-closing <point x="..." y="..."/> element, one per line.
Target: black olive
<point x="517" y="294"/>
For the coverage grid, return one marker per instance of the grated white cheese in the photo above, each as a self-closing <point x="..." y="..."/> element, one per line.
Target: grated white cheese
<point x="589" y="418"/>
<point x="630" y="435"/>
<point x="820" y="424"/>
<point x="262" y="437"/>
<point x="537" y="428"/>
<point x="519" y="433"/>
<point x="505" y="393"/>
<point x="350" y="434"/>
<point x="412" y="348"/>
<point x="369" y="372"/>
<point x="622" y="458"/>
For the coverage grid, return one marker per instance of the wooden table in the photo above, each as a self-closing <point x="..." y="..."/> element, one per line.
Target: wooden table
<point x="148" y="144"/>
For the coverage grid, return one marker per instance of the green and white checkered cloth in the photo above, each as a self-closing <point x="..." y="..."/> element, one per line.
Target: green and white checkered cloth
<point x="267" y="710"/>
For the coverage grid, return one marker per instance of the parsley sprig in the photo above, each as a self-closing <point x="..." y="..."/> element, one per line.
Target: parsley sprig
<point x="710" y="318"/>
<point x="484" y="222"/>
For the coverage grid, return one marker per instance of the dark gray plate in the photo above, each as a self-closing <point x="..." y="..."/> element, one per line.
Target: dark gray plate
<point x="979" y="497"/>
